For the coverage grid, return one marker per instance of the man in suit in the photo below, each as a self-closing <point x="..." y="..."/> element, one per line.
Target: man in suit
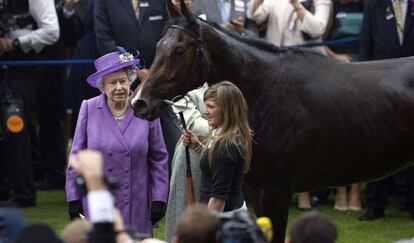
<point x="388" y="32"/>
<point x="229" y="13"/>
<point x="379" y="37"/>
<point x="129" y="23"/>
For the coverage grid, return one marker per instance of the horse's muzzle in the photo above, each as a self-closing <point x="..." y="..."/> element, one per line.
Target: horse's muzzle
<point x="141" y="109"/>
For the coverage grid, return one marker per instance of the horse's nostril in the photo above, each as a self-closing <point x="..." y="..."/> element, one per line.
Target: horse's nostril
<point x="141" y="109"/>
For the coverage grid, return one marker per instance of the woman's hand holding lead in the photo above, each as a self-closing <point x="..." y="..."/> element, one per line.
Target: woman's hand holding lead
<point x="190" y="139"/>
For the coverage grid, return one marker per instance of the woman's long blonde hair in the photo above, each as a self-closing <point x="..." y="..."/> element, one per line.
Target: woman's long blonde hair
<point x="235" y="127"/>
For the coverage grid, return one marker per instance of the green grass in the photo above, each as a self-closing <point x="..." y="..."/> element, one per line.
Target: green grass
<point x="51" y="209"/>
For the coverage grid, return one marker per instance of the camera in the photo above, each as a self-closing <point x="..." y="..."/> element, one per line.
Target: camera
<point x="14" y="14"/>
<point x="238" y="227"/>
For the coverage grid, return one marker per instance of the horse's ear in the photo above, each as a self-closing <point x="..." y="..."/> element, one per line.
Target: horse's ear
<point x="186" y="12"/>
<point x="172" y="10"/>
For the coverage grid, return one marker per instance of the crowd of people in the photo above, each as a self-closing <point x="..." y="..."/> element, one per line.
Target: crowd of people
<point x="148" y="158"/>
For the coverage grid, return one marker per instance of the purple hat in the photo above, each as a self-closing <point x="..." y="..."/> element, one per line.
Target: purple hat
<point x="110" y="63"/>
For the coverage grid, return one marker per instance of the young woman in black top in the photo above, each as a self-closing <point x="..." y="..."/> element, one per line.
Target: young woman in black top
<point x="226" y="155"/>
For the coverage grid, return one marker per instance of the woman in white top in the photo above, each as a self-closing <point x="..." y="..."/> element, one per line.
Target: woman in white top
<point x="288" y="19"/>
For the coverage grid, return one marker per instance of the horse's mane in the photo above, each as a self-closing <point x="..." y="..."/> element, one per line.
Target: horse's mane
<point x="252" y="41"/>
<point x="249" y="40"/>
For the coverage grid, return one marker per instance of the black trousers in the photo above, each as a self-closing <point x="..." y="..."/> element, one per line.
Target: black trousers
<point x="16" y="177"/>
<point x="51" y="113"/>
<point x="378" y="192"/>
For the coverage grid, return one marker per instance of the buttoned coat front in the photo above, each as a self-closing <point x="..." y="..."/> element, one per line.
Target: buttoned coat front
<point x="134" y="152"/>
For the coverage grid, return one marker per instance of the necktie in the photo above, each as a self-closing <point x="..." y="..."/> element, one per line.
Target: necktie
<point x="398" y="19"/>
<point x="135" y="5"/>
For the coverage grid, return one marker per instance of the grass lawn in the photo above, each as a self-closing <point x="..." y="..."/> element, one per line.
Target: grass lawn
<point x="51" y="209"/>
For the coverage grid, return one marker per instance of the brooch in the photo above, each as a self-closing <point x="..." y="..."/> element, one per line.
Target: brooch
<point x="126" y="57"/>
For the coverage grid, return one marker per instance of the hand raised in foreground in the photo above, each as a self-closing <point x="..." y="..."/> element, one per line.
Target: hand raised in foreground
<point x="89" y="164"/>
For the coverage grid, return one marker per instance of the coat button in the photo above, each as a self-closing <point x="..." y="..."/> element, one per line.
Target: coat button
<point x="109" y="153"/>
<point x="126" y="170"/>
<point x="126" y="154"/>
<point x="109" y="169"/>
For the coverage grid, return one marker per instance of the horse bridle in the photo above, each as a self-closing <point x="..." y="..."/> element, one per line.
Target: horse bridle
<point x="198" y="57"/>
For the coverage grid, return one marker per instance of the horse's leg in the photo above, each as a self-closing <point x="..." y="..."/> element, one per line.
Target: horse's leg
<point x="275" y="205"/>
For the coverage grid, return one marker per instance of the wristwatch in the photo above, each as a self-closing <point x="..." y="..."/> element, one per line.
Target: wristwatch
<point x="16" y="43"/>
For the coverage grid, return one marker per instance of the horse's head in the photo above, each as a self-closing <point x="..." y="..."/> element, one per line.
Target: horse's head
<point x="177" y="67"/>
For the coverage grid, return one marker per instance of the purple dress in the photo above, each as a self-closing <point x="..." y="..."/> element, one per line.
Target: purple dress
<point x="133" y="151"/>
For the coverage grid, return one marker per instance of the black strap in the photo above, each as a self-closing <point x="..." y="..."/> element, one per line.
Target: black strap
<point x="187" y="152"/>
<point x="198" y="58"/>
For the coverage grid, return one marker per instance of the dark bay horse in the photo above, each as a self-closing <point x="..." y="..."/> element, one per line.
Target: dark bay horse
<point x="317" y="122"/>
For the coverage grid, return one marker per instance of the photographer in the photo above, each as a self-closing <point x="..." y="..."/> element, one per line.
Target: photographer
<point x="28" y="26"/>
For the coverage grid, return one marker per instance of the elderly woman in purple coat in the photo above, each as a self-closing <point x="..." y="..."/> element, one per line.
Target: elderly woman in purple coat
<point x="133" y="149"/>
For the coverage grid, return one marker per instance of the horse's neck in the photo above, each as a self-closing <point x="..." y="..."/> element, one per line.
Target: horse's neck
<point x="234" y="61"/>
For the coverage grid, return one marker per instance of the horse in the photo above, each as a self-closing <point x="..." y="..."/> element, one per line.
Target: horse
<point x="317" y="122"/>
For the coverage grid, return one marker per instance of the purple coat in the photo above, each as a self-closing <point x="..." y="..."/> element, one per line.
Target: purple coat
<point x="134" y="152"/>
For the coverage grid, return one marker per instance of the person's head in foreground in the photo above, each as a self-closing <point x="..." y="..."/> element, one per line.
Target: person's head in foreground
<point x="313" y="227"/>
<point x="197" y="224"/>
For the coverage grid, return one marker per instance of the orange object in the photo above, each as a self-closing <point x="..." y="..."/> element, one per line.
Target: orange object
<point x="190" y="191"/>
<point x="15" y="124"/>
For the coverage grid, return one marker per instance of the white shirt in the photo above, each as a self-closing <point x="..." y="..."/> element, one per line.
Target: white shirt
<point x="44" y="14"/>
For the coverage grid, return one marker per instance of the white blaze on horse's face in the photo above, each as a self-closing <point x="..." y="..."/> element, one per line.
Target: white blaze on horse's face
<point x="137" y="97"/>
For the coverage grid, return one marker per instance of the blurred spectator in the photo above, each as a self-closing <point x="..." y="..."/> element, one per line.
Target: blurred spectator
<point x="36" y="233"/>
<point x="396" y="18"/>
<point x="11" y="223"/>
<point x="197" y="224"/>
<point x="76" y="232"/>
<point x="346" y="23"/>
<point x="90" y="165"/>
<point x="313" y="227"/>
<point x="289" y="23"/>
<point x="131" y="24"/>
<point x="133" y="148"/>
<point x="22" y="40"/>
<point x="231" y="14"/>
<point x="381" y="17"/>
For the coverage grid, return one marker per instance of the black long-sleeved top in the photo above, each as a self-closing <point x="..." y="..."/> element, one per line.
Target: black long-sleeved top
<point x="225" y="177"/>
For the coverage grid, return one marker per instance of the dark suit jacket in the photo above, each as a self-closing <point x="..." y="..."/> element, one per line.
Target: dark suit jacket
<point x="116" y="25"/>
<point x="379" y="38"/>
<point x="211" y="9"/>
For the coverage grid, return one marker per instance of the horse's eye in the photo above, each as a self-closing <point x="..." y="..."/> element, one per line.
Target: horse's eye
<point x="179" y="51"/>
